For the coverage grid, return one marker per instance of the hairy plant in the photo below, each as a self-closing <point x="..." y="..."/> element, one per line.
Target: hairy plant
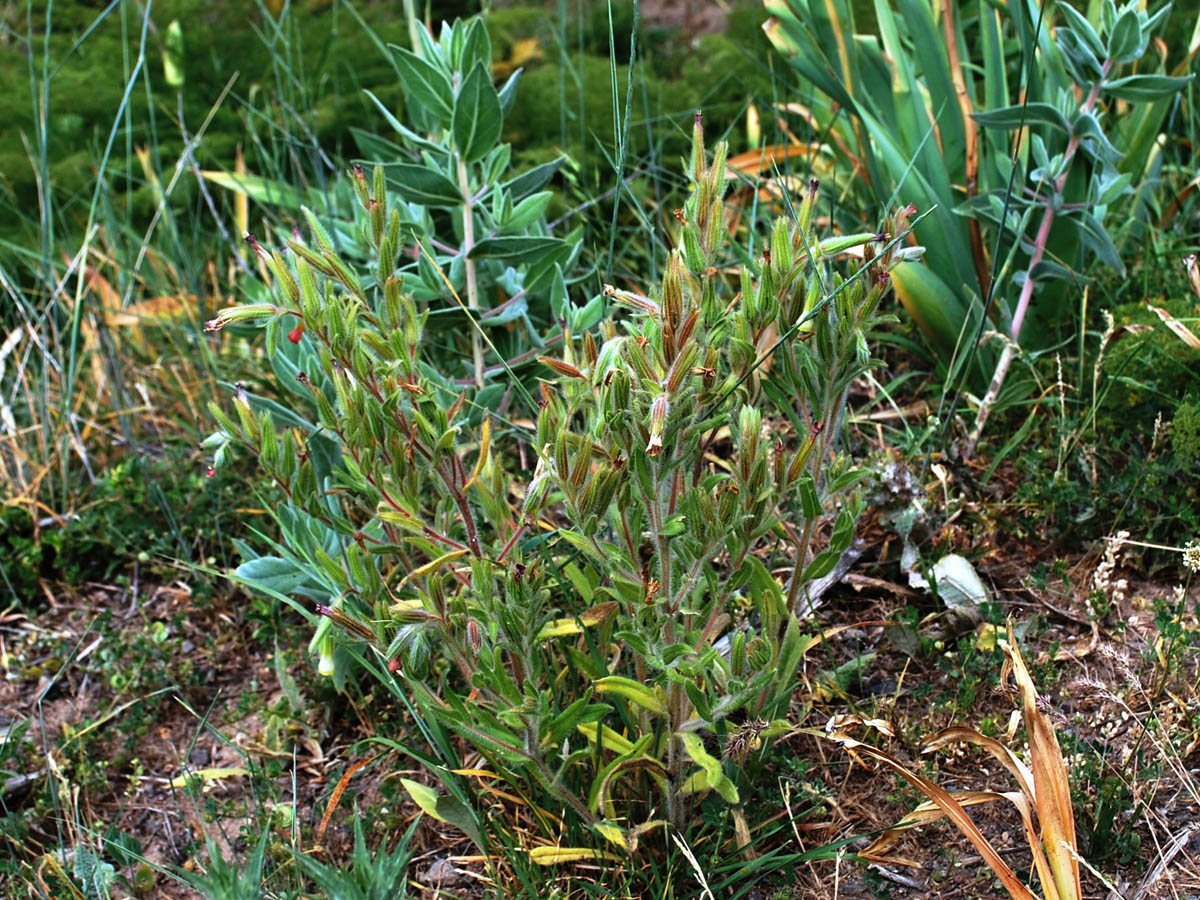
<point x="599" y="628"/>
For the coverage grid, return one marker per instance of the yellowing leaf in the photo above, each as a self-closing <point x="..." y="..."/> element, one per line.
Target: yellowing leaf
<point x="215" y="774"/>
<point x="261" y="190"/>
<point x="1052" y="792"/>
<point x="985" y="638"/>
<point x="421" y="571"/>
<point x="612" y="833"/>
<point x="712" y="777"/>
<point x="611" y="740"/>
<point x="550" y="856"/>
<point x="475" y="773"/>
<point x="1180" y="330"/>
<point x="588" y="617"/>
<point x="424" y="796"/>
<point x="633" y="691"/>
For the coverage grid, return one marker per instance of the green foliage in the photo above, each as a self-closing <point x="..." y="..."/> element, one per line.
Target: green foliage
<point x="1146" y="371"/>
<point x="931" y="124"/>
<point x="399" y="519"/>
<point x="567" y="99"/>
<point x="1185" y="433"/>
<point x="378" y="877"/>
<point x="142" y="510"/>
<point x="229" y="880"/>
<point x="1118" y="453"/>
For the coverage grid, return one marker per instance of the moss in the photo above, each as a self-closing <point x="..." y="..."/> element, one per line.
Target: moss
<point x="330" y="68"/>
<point x="73" y="174"/>
<point x="730" y="71"/>
<point x="1146" y="372"/>
<point x="1185" y="433"/>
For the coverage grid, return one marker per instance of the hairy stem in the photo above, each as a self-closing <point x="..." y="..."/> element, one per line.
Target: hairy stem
<point x="472" y="286"/>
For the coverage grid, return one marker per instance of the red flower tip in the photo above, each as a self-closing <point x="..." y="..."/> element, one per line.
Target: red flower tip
<point x="296" y="333"/>
<point x="210" y="473"/>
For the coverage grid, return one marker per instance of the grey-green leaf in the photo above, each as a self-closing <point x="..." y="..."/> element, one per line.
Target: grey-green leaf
<point x="419" y="184"/>
<point x="517" y="249"/>
<point x="1082" y="28"/>
<point x="1087" y="127"/>
<point x="532" y="180"/>
<point x="477" y="115"/>
<point x="477" y="46"/>
<point x="1082" y="64"/>
<point x="1099" y="242"/>
<point x="508" y="92"/>
<point x="1146" y="87"/>
<point x="425" y="83"/>
<point x="1125" y="41"/>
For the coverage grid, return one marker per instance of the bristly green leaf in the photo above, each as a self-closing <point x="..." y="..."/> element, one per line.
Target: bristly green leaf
<point x="477" y="115"/>
<point x="508" y="92"/>
<point x="477" y="46"/>
<point x="398" y="513"/>
<point x="1087" y="127"/>
<point x="1081" y="28"/>
<point x="532" y="180"/>
<point x="1082" y="63"/>
<point x="1096" y="237"/>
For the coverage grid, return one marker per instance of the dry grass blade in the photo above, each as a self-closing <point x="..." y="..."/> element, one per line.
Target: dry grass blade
<point x="1044" y="790"/>
<point x="337" y="795"/>
<point x="953" y="811"/>
<point x="1005" y="756"/>
<point x="753" y="163"/>
<point x="1180" y="330"/>
<point x="1052" y="793"/>
<point x="879" y="850"/>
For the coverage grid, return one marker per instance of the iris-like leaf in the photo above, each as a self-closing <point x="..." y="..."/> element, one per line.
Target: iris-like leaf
<point x="1010" y="117"/>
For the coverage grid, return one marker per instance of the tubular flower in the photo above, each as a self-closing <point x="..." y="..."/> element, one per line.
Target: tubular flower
<point x="658" y="422"/>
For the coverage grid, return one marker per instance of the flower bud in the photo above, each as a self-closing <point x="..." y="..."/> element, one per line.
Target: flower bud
<point x="474" y="637"/>
<point x="758" y="653"/>
<point x="563" y="368"/>
<point x="806" y="207"/>
<point x="659" y="410"/>
<point x="698" y="147"/>
<point x="672" y="296"/>
<point x="325" y="664"/>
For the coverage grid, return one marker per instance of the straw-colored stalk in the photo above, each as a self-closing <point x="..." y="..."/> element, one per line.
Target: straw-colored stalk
<point x="1043" y="799"/>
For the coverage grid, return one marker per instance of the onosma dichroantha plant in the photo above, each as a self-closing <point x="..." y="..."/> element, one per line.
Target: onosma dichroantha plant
<point x="596" y="583"/>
